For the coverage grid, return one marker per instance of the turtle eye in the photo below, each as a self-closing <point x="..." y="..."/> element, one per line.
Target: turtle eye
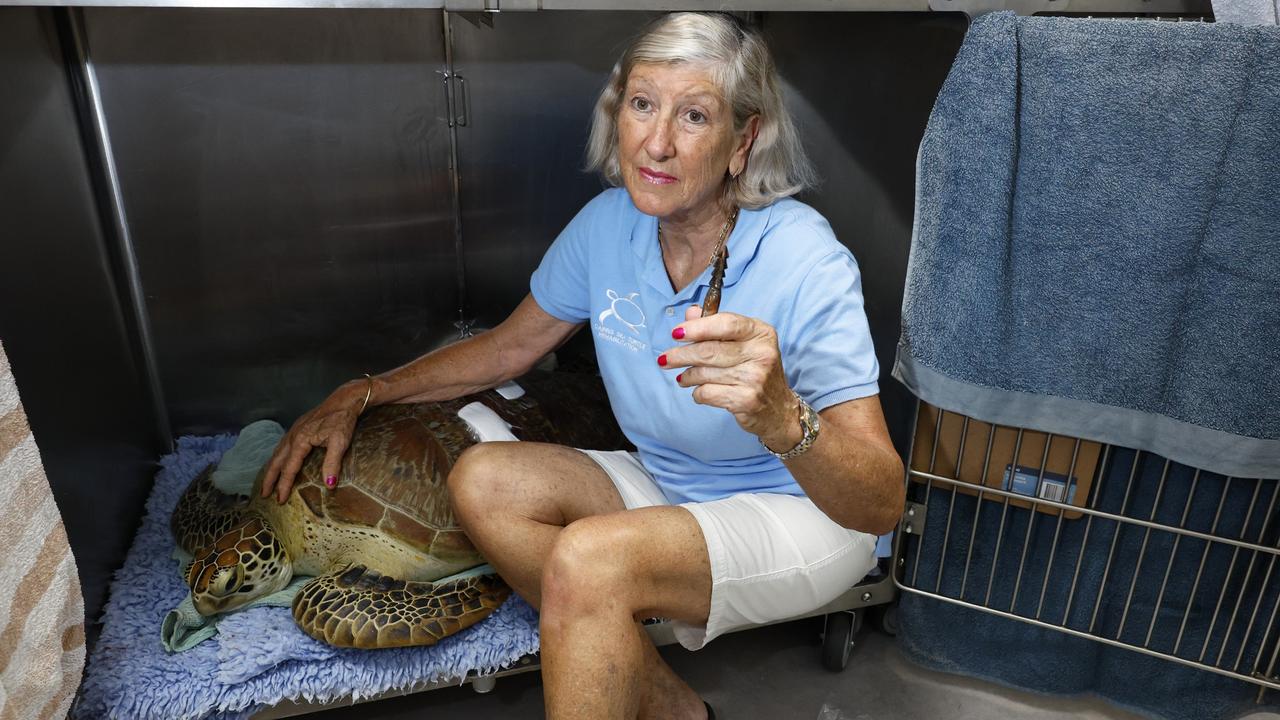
<point x="227" y="581"/>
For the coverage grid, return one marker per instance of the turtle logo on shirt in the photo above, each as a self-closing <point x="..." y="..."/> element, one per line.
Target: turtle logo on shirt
<point x="625" y="310"/>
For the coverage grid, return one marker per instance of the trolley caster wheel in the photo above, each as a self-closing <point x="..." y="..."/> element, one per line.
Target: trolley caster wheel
<point x="484" y="684"/>
<point x="837" y="639"/>
<point x="885" y="618"/>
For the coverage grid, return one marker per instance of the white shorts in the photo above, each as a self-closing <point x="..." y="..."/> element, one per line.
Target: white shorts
<point x="773" y="557"/>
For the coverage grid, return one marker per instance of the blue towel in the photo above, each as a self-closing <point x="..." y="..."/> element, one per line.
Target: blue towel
<point x="1097" y="237"/>
<point x="258" y="657"/>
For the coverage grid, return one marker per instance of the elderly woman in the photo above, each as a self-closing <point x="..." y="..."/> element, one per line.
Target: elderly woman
<point x="764" y="468"/>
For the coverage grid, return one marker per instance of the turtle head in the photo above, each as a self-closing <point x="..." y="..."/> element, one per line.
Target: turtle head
<point x="248" y="562"/>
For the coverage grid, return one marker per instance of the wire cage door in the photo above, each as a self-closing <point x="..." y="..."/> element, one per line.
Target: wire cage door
<point x="1094" y="540"/>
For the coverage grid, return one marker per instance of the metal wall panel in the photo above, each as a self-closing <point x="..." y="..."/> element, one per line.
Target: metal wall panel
<point x="286" y="181"/>
<point x="61" y="316"/>
<point x="861" y="86"/>
<point x="532" y="80"/>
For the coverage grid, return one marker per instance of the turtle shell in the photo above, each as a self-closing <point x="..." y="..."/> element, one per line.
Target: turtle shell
<point x="393" y="479"/>
<point x="393" y="475"/>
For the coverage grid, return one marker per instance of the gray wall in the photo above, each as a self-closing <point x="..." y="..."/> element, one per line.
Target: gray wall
<point x="861" y="86"/>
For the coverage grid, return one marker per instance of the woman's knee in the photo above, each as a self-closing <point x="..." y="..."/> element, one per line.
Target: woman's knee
<point x="476" y="479"/>
<point x="589" y="563"/>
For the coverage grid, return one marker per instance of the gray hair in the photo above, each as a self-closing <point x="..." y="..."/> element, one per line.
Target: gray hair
<point x="743" y="70"/>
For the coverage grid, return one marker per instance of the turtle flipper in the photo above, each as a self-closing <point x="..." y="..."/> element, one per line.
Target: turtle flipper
<point x="204" y="513"/>
<point x="357" y="607"/>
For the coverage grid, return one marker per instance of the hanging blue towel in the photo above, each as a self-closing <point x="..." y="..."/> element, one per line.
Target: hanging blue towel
<point x="1096" y="249"/>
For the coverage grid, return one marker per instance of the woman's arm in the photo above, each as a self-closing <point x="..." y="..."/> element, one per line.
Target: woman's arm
<point x="852" y="472"/>
<point x="477" y="363"/>
<point x="474" y="364"/>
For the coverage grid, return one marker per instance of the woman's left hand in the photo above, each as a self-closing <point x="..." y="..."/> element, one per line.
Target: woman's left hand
<point x="733" y="362"/>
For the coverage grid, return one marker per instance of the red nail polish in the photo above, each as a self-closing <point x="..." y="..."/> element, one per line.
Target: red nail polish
<point x="662" y="359"/>
<point x="331" y="480"/>
<point x="678" y="333"/>
<point x="679" y="376"/>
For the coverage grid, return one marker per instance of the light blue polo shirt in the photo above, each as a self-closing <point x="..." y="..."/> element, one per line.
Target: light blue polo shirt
<point x="785" y="267"/>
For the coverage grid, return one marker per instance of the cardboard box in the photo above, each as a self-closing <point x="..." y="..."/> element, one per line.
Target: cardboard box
<point x="1034" y="467"/>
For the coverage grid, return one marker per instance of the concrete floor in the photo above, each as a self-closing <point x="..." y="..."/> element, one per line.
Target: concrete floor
<point x="775" y="672"/>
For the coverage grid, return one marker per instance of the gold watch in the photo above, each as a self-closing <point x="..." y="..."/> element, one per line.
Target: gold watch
<point x="810" y="424"/>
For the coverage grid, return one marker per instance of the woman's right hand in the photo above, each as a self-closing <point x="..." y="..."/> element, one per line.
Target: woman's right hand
<point x="329" y="425"/>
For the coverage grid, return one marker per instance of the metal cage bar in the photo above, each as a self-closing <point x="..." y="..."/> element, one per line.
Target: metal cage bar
<point x="1164" y="583"/>
<point x="1233" y="604"/>
<point x="1057" y="534"/>
<point x="964" y="434"/>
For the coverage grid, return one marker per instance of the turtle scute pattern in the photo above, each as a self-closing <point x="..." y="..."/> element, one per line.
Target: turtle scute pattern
<point x="394" y="473"/>
<point x="255" y="543"/>
<point x="390" y="511"/>
<point x="360" y="608"/>
<point x="204" y="513"/>
<point x="392" y="492"/>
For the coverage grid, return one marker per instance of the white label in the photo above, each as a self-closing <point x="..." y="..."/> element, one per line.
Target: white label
<point x="510" y="390"/>
<point x="1053" y="492"/>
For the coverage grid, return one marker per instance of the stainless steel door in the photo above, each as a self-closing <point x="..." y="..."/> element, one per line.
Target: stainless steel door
<point x="285" y="176"/>
<point x="532" y="80"/>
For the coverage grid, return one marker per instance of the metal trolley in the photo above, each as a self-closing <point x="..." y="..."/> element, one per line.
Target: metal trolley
<point x="1097" y="541"/>
<point x="842" y="619"/>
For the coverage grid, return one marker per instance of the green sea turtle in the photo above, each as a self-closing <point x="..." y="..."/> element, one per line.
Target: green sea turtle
<point x="377" y="541"/>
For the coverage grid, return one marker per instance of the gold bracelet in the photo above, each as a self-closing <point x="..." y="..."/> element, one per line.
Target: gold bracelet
<point x="367" y="394"/>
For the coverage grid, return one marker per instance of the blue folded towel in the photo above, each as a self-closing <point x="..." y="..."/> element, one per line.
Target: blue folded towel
<point x="1097" y="237"/>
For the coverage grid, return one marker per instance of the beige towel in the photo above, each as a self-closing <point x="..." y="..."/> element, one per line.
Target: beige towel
<point x="41" y="608"/>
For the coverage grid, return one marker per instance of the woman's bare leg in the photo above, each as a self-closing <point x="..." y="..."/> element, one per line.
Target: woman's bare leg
<point x="514" y="500"/>
<point x="604" y="574"/>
